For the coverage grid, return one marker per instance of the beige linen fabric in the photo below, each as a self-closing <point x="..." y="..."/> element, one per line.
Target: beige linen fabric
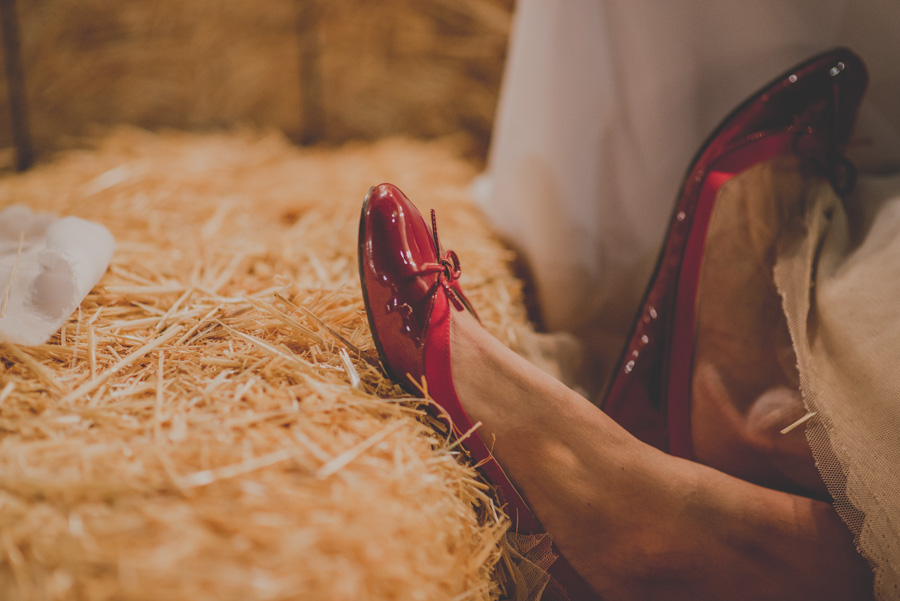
<point x="837" y="269"/>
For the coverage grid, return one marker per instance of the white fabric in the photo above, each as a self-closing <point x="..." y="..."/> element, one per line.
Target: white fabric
<point x="47" y="266"/>
<point x="603" y="106"/>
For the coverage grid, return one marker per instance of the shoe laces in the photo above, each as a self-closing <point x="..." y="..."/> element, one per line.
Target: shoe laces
<point x="447" y="268"/>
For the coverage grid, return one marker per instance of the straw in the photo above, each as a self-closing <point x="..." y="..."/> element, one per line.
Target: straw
<point x="214" y="423"/>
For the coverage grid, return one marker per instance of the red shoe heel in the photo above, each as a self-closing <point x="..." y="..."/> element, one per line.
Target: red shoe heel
<point x="411" y="289"/>
<point x="809" y="111"/>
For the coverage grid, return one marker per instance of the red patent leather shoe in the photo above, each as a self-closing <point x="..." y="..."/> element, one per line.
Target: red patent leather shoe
<point x="808" y="111"/>
<point x="411" y="290"/>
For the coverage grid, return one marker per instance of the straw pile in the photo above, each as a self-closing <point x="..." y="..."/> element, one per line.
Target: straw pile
<point x="211" y="423"/>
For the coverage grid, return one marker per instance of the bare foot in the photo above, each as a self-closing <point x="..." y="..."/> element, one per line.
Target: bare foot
<point x="635" y="522"/>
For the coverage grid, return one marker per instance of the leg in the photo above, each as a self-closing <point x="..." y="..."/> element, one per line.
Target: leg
<point x="638" y="523"/>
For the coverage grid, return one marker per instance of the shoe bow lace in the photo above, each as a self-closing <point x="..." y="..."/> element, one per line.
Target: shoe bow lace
<point x="447" y="268"/>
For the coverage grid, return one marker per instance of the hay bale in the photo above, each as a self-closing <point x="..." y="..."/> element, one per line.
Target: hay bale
<point x="316" y="70"/>
<point x="211" y="424"/>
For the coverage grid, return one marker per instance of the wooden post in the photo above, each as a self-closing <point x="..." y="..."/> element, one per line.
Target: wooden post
<point x="15" y="80"/>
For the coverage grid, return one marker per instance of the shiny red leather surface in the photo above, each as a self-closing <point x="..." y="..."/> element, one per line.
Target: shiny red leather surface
<point x="815" y="104"/>
<point x="410" y="317"/>
<point x="394" y="246"/>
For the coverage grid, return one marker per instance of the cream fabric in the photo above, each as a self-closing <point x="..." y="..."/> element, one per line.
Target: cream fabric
<point x="838" y="272"/>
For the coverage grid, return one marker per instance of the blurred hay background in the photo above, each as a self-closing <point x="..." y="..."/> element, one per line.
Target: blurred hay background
<point x="211" y="423"/>
<point x="318" y="70"/>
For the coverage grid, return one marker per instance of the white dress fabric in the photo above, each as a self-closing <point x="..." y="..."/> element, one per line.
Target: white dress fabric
<point x="605" y="103"/>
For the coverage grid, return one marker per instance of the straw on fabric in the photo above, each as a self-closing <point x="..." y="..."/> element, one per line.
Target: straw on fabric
<point x="212" y="423"/>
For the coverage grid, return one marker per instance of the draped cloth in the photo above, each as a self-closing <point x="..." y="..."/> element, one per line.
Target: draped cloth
<point x="838" y="272"/>
<point x="604" y="104"/>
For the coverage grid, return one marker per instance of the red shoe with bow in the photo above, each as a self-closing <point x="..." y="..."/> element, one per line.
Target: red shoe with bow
<point x="411" y="290"/>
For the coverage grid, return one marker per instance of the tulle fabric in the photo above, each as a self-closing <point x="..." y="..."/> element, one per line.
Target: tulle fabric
<point x="838" y="272"/>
